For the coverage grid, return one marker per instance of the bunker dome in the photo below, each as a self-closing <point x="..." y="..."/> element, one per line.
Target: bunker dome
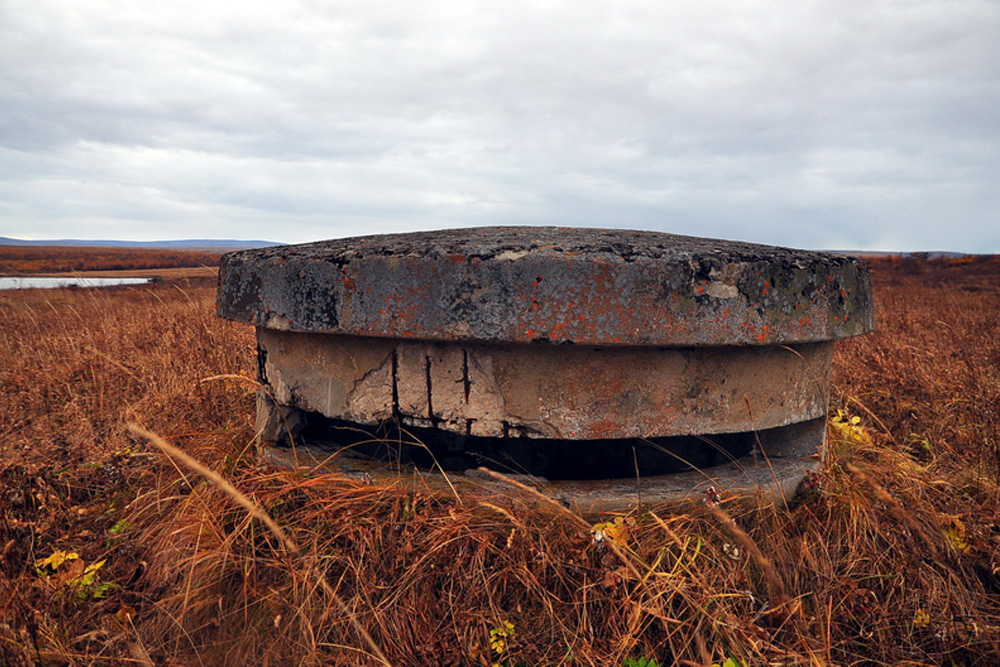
<point x="580" y="356"/>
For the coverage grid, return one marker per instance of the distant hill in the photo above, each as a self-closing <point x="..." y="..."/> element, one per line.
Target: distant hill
<point x="182" y="244"/>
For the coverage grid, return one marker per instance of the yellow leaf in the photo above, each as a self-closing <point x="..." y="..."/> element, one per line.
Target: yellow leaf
<point x="52" y="563"/>
<point x="90" y="574"/>
<point x="499" y="636"/>
<point x="616" y="531"/>
<point x="921" y="619"/>
<point x="849" y="428"/>
<point x="956" y="538"/>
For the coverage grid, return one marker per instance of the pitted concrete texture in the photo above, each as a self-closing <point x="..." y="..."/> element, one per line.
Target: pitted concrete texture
<point x="550" y="285"/>
<point x="557" y="392"/>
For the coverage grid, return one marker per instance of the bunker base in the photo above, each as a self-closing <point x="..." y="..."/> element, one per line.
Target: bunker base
<point x="591" y="477"/>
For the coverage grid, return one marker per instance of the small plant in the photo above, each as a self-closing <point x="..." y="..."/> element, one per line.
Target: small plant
<point x="68" y="569"/>
<point x="47" y="566"/>
<point x="919" y="447"/>
<point x="640" y="662"/>
<point x="500" y="641"/>
<point x="116" y="532"/>
<point x="616" y="531"/>
<point x="120" y="527"/>
<point x="730" y="662"/>
<point x="711" y="497"/>
<point x="955" y="537"/>
<point x="849" y="428"/>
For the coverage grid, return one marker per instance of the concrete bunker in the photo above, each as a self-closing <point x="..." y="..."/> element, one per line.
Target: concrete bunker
<point x="580" y="356"/>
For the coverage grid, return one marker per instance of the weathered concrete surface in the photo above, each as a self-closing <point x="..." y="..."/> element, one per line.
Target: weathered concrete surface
<point x="544" y="391"/>
<point x="633" y="335"/>
<point x="556" y="285"/>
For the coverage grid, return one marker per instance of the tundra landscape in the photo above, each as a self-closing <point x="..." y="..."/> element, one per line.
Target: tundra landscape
<point x="139" y="526"/>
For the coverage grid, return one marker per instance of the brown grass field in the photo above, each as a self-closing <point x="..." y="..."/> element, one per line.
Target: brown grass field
<point x="63" y="260"/>
<point x="112" y="552"/>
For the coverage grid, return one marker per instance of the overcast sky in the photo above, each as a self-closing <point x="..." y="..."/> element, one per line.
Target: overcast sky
<point x="848" y="124"/>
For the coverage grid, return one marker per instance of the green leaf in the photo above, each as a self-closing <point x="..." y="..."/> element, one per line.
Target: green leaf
<point x="120" y="527"/>
<point x="89" y="576"/>
<point x="640" y="662"/>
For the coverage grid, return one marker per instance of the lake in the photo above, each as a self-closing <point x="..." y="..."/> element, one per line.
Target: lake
<point x="46" y="283"/>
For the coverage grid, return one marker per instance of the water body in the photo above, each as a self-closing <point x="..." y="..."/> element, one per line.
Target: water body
<point x="47" y="283"/>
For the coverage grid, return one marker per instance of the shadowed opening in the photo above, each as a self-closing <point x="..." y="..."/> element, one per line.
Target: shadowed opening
<point x="395" y="445"/>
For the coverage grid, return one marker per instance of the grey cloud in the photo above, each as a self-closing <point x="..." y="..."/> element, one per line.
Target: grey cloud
<point x="847" y="124"/>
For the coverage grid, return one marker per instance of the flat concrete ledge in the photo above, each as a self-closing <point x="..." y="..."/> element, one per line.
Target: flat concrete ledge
<point x="550" y="285"/>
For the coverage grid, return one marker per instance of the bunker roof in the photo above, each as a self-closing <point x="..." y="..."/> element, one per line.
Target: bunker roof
<point x="550" y="285"/>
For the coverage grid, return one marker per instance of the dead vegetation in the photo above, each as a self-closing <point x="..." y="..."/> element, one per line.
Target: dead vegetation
<point x="20" y="260"/>
<point x="892" y="558"/>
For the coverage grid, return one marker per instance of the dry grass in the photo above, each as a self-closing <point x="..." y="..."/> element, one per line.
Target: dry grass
<point x="17" y="260"/>
<point x="893" y="559"/>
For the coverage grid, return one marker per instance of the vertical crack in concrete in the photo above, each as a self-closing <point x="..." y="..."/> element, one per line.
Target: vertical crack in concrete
<point x="395" y="384"/>
<point x="466" y="382"/>
<point x="262" y="367"/>
<point x="427" y="371"/>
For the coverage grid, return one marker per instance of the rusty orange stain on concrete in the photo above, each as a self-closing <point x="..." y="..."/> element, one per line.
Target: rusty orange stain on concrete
<point x="636" y="302"/>
<point x="604" y="429"/>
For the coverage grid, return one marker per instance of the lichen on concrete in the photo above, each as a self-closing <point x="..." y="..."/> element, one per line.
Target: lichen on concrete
<point x="550" y="285"/>
<point x="524" y="340"/>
